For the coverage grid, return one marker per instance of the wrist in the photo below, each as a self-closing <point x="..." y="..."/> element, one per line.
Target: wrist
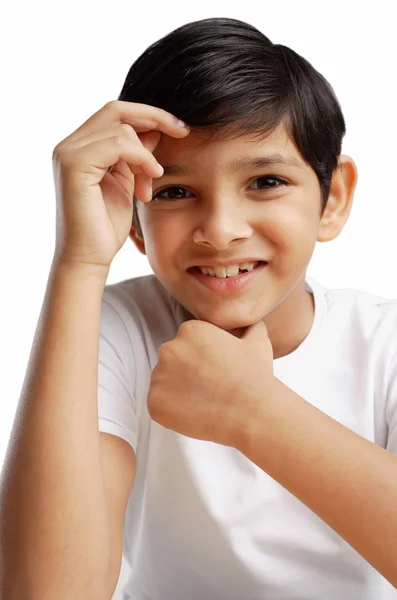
<point x="95" y="273"/>
<point x="255" y="420"/>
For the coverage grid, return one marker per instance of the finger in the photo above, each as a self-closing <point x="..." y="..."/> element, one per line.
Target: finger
<point x="148" y="140"/>
<point x="143" y="188"/>
<point x="143" y="183"/>
<point x="97" y="156"/>
<point x="142" y="117"/>
<point x="106" y="133"/>
<point x="122" y="173"/>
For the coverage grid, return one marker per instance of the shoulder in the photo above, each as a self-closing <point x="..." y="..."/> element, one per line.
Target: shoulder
<point x="362" y="314"/>
<point x="357" y="326"/>
<point x="141" y="309"/>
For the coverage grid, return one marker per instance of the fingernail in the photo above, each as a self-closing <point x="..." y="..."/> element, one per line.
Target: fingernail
<point x="182" y="124"/>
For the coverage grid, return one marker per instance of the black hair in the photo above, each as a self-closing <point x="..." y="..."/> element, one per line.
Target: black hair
<point x="225" y="76"/>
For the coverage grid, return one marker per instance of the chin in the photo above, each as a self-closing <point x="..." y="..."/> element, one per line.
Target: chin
<point x="230" y="325"/>
<point x="228" y="319"/>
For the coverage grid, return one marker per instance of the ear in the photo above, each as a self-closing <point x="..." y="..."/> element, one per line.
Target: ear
<point x="340" y="199"/>
<point x="137" y="239"/>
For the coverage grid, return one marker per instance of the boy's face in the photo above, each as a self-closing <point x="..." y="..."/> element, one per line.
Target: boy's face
<point x="218" y="213"/>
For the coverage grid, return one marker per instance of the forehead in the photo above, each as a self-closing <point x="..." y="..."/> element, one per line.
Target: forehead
<point x="198" y="148"/>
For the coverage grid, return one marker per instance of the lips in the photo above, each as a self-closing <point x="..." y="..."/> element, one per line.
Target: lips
<point x="227" y="285"/>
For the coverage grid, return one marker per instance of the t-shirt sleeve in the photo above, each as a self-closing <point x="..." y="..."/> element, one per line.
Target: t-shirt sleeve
<point x="116" y="377"/>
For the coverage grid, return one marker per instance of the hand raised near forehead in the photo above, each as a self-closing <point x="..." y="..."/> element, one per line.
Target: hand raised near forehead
<point x="94" y="201"/>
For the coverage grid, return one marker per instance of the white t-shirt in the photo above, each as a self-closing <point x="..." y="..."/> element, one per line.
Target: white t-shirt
<point x="205" y="523"/>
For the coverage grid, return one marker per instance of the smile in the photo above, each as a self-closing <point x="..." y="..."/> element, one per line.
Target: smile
<point x="227" y="284"/>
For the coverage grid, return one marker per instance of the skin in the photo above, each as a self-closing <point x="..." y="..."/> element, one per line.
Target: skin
<point x="223" y="214"/>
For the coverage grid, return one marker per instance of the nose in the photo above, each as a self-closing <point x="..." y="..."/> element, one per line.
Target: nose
<point x="221" y="224"/>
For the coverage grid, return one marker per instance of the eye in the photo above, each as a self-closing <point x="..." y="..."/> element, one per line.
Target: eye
<point x="269" y="178"/>
<point x="178" y="192"/>
<point x="175" y="193"/>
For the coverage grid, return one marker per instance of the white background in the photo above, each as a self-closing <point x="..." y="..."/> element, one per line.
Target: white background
<point x="61" y="62"/>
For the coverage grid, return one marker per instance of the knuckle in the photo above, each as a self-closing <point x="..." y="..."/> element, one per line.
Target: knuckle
<point x="112" y="105"/>
<point x="118" y="140"/>
<point x="56" y="153"/>
<point x="163" y="348"/>
<point x="67" y="159"/>
<point x="60" y="153"/>
<point x="168" y="349"/>
<point x="189" y="325"/>
<point x="128" y="130"/>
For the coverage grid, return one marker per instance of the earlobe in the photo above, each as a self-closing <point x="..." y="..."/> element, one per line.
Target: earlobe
<point x="138" y="240"/>
<point x="340" y="199"/>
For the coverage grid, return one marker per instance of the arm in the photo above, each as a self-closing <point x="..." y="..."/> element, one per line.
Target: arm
<point x="54" y="519"/>
<point x="348" y="481"/>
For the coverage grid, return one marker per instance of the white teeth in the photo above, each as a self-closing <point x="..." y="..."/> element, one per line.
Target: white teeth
<point x="223" y="272"/>
<point x="230" y="271"/>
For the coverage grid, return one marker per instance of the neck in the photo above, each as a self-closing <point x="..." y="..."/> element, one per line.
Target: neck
<point x="290" y="323"/>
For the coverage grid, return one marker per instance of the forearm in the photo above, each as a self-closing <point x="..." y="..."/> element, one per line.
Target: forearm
<point x="53" y="514"/>
<point x="348" y="481"/>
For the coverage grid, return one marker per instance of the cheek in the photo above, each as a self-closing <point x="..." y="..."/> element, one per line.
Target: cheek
<point x="164" y="236"/>
<point x="291" y="231"/>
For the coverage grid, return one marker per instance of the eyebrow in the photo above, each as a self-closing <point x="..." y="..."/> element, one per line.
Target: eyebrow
<point x="245" y="163"/>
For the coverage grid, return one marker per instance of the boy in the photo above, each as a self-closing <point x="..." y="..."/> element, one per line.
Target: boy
<point x="247" y="416"/>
